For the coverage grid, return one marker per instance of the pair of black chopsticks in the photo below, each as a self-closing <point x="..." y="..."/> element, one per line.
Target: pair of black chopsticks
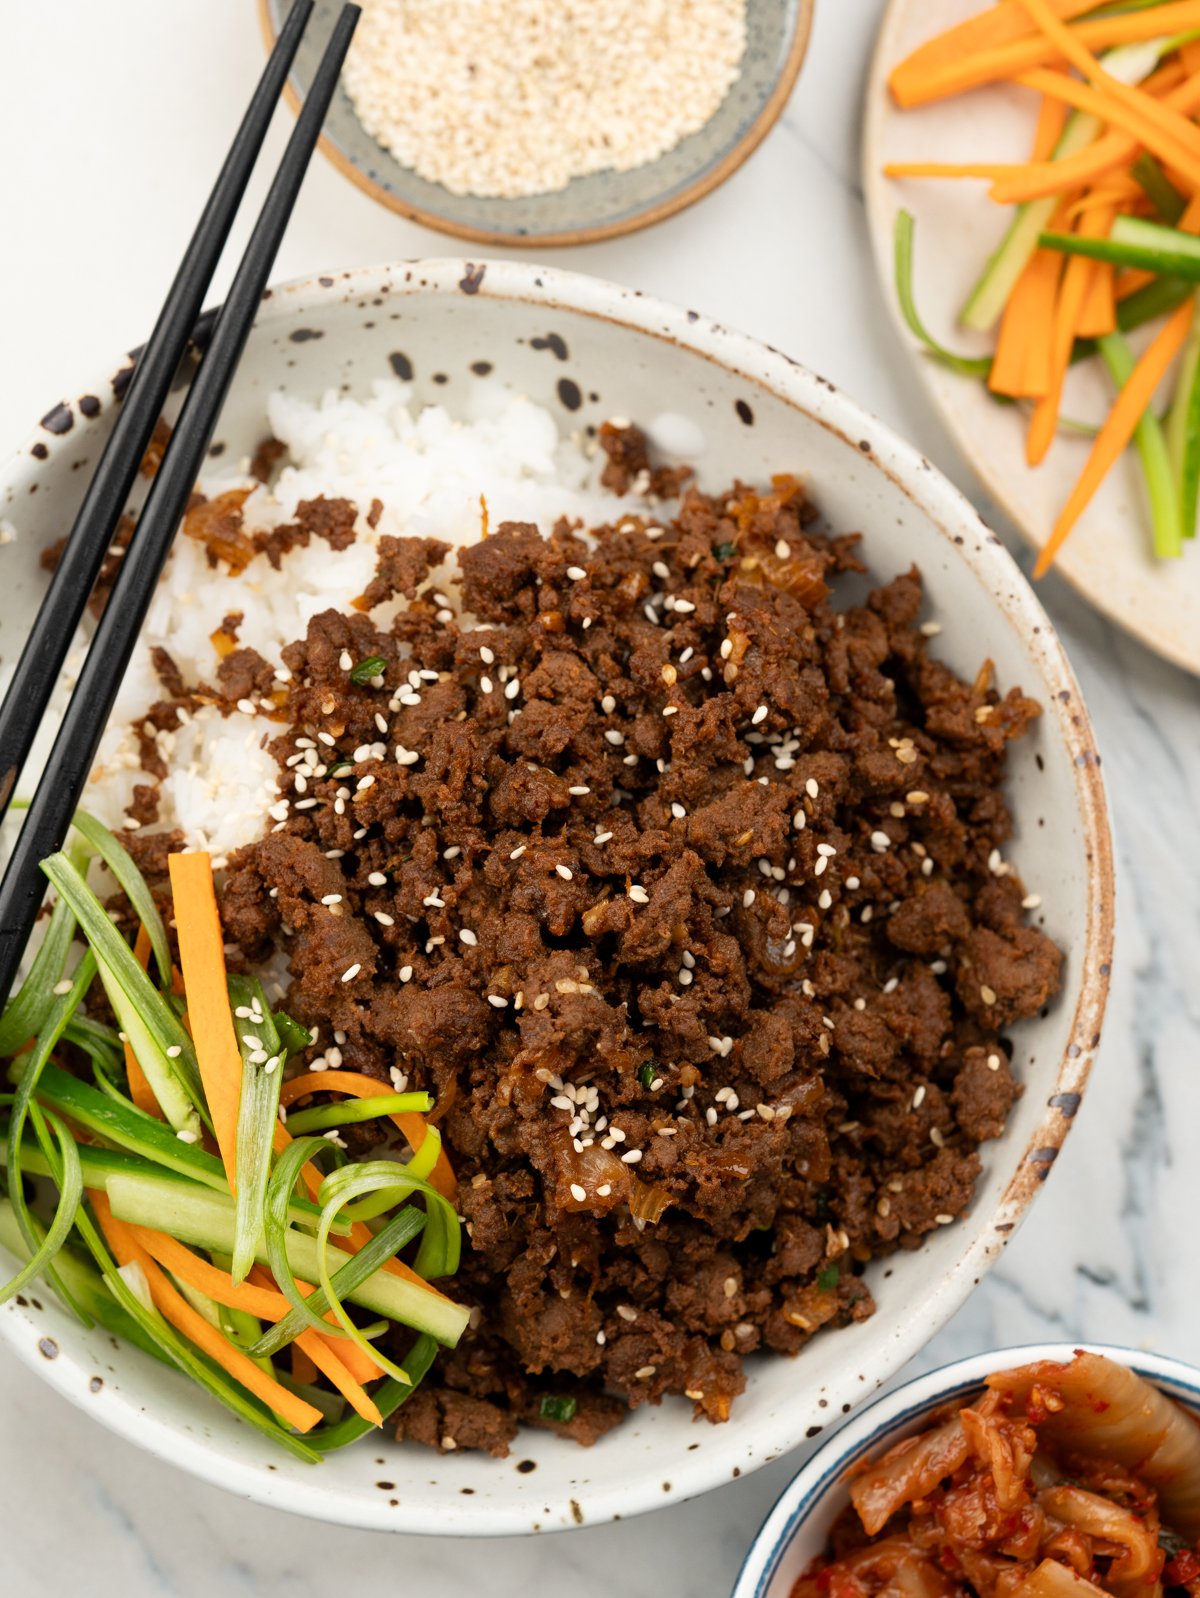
<point x="95" y="525"/>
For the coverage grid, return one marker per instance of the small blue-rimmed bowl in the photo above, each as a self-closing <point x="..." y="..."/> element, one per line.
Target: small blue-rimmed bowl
<point x="602" y="205"/>
<point x="797" y="1529"/>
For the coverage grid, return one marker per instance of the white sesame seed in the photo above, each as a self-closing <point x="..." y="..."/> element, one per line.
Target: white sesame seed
<point x="1031" y="901"/>
<point x="678" y="811"/>
<point x="188" y="1137"/>
<point x="602" y="837"/>
<point x="405" y="973"/>
<point x="565" y="872"/>
<point x="760" y="715"/>
<point x="512" y="689"/>
<point x="826" y="850"/>
<point x="811" y="788"/>
<point x="346" y="661"/>
<point x="384" y="919"/>
<point x="174" y="1051"/>
<point x="931" y="628"/>
<point x="487" y="656"/>
<point x="614" y="736"/>
<point x="627" y="1312"/>
<point x="247" y="707"/>
<point x="468" y="937"/>
<point x="578" y="1193"/>
<point x="748" y="898"/>
<point x="351" y="972"/>
<point x="576" y="573"/>
<point x="579" y="790"/>
<point x="825" y="899"/>
<point x="518" y="851"/>
<point x="62" y="987"/>
<point x="632" y="1157"/>
<point x="638" y="894"/>
<point x="880" y="841"/>
<point x="497" y="1001"/>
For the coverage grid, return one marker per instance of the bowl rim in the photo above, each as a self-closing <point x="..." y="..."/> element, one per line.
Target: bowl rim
<point x="885" y="1413"/>
<point x="734" y="1450"/>
<point x="711" y="178"/>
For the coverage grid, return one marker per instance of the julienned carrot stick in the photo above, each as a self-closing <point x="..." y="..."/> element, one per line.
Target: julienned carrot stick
<point x="1025" y="325"/>
<point x="140" y="1090"/>
<point x="989" y="30"/>
<point x="1021" y="367"/>
<point x="356" y="1362"/>
<point x="1169" y="123"/>
<point x="202" y="956"/>
<point x="1008" y="60"/>
<point x="176" y="1309"/>
<point x="1111" y="151"/>
<point x="353" y="1085"/>
<point x="1098" y="313"/>
<point x="1161" y="139"/>
<point x="1119" y="426"/>
<point x="1073" y="292"/>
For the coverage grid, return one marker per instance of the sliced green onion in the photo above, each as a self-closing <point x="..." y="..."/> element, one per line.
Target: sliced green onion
<point x="295" y="1037"/>
<point x="646" y="1073"/>
<point x="162" y="1046"/>
<point x="62" y="1007"/>
<point x="349" y="1111"/>
<point x="1154" y="183"/>
<point x="968" y="365"/>
<point x="556" y="1407"/>
<point x="1152" y="452"/>
<point x="118" y="860"/>
<point x="388" y="1397"/>
<point x="829" y="1277"/>
<point x="98" y="1041"/>
<point x="258" y="1112"/>
<point x="1183" y="431"/>
<point x="98" y="1163"/>
<point x="25" y="1013"/>
<point x="70" y="1185"/>
<point x="372" y="666"/>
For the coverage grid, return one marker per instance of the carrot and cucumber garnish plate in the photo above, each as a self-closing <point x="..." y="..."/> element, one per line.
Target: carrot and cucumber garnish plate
<point x="157" y="1189"/>
<point x="1033" y="186"/>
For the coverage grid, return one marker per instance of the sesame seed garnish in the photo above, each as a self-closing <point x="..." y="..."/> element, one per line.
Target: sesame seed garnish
<point x="512" y="689"/>
<point x="351" y="971"/>
<point x="930" y="629"/>
<point x="576" y="573"/>
<point x="1031" y="901"/>
<point x="346" y="661"/>
<point x="748" y="898"/>
<point x="384" y="919"/>
<point x="760" y="715"/>
<point x="405" y="973"/>
<point x="880" y="841"/>
<point x="811" y="788"/>
<point x="799" y="821"/>
<point x="406" y="757"/>
<point x="614" y="736"/>
<point x="824" y="899"/>
<point x="988" y="995"/>
<point x="188" y="1137"/>
<point x="518" y="851"/>
<point x="638" y="894"/>
<point x="944" y="1220"/>
<point x="565" y="872"/>
<point x="468" y="937"/>
<point x="678" y="812"/>
<point x="627" y="1312"/>
<point x="332" y="898"/>
<point x="602" y="837"/>
<point x="497" y="1001"/>
<point x="684" y="605"/>
<point x="993" y="1062"/>
<point x="579" y="790"/>
<point x="578" y="1193"/>
<point x="632" y="1157"/>
<point x="174" y="1051"/>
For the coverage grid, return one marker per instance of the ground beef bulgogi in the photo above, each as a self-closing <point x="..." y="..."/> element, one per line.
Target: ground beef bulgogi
<point x="683" y="891"/>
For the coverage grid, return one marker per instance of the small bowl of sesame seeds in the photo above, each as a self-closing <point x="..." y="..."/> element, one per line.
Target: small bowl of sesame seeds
<point x="513" y="122"/>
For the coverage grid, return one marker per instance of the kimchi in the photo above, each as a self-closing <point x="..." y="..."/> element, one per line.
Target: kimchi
<point x="1062" y="1481"/>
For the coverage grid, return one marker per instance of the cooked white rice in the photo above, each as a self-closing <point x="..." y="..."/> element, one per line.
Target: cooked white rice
<point x="429" y="471"/>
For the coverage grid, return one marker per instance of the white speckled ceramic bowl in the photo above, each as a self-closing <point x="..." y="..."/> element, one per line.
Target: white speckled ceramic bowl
<point x="749" y="411"/>
<point x="795" y="1531"/>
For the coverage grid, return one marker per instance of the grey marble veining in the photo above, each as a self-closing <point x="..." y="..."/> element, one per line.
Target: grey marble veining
<point x="781" y="250"/>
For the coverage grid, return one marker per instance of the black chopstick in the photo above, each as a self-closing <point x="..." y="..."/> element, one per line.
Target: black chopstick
<point x="95" y="523"/>
<point x="83" y="723"/>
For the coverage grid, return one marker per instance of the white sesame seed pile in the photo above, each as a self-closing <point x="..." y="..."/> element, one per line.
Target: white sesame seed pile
<point x="517" y="97"/>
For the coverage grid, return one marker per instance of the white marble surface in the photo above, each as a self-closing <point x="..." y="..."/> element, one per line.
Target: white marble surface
<point x="111" y="120"/>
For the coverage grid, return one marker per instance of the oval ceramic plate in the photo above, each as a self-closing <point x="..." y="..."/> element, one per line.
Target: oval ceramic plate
<point x="1107" y="557"/>
<point x="600" y="206"/>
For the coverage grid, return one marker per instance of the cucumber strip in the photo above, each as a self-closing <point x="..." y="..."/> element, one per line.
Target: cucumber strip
<point x="163" y="1048"/>
<point x="350" y="1111"/>
<point x="85" y="1284"/>
<point x="206" y="1219"/>
<point x="139" y="1134"/>
<point x="1154" y="183"/>
<point x="1152" y="453"/>
<point x="388" y="1397"/>
<point x="1165" y="258"/>
<point x="1183" y="431"/>
<point x="258" y="1110"/>
<point x="118" y="860"/>
<point x="985" y="304"/>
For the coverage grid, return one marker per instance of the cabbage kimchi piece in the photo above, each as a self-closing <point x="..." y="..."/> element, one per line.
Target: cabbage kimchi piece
<point x="1072" y="1480"/>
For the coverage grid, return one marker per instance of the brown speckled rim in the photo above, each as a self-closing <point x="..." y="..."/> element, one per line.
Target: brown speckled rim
<point x="805" y="1411"/>
<point x="710" y="179"/>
